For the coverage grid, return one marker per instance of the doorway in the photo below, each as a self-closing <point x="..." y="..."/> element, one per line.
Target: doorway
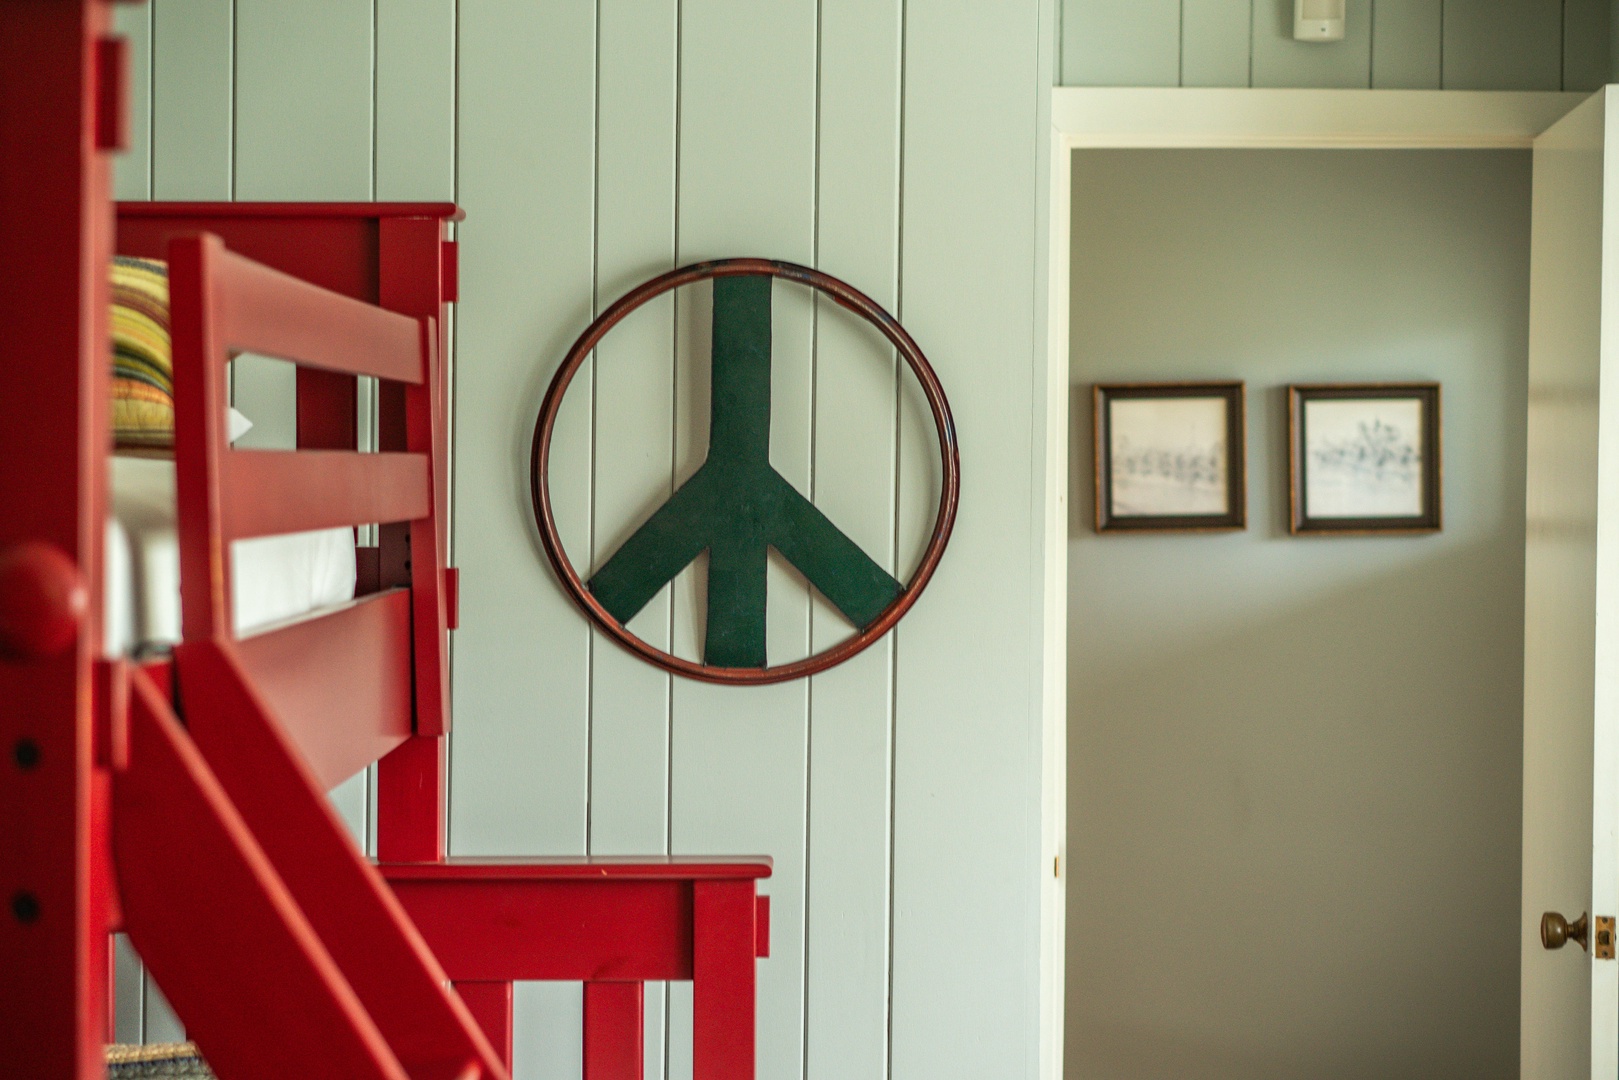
<point x="1155" y="940"/>
<point x="1295" y="750"/>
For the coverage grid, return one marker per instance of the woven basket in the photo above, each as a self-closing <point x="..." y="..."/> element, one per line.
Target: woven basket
<point x="157" y="1061"/>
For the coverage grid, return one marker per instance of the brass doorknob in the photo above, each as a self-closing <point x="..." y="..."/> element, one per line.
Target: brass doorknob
<point x="1556" y="931"/>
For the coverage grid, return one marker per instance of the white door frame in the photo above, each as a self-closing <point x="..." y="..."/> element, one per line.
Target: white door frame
<point x="1110" y="117"/>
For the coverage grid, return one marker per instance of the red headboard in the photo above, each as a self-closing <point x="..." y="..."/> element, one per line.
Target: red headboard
<point x="338" y="246"/>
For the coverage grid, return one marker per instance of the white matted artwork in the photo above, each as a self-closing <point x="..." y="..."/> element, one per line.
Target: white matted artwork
<point x="1169" y="456"/>
<point x="1364" y="458"/>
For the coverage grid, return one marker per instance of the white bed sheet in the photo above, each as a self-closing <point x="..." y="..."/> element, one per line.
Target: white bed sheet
<point x="274" y="578"/>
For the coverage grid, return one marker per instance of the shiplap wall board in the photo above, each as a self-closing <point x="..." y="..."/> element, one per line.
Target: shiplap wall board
<point x="304" y="100"/>
<point x="896" y="144"/>
<point x="1490" y="45"/>
<point x="967" y="863"/>
<point x="1279" y="60"/>
<point x="193" y="99"/>
<point x="738" y="756"/>
<point x="1396" y="44"/>
<point x="414" y="111"/>
<point x="1121" y="42"/>
<point x="851" y="707"/>
<point x="1214" y="42"/>
<point x="1407" y="38"/>
<point x="1586" y="31"/>
<point x="133" y="174"/>
<point x="521" y="674"/>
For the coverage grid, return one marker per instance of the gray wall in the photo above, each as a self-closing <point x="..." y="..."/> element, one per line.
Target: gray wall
<point x="1405" y="44"/>
<point x="900" y="144"/>
<point x="1294" y="764"/>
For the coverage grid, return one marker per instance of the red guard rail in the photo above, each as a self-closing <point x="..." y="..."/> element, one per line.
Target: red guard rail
<point x="224" y="845"/>
<point x="397" y="256"/>
<point x="223" y="305"/>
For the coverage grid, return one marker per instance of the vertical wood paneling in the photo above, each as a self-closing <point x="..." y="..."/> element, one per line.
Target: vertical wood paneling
<point x="415" y="112"/>
<point x="1121" y="42"/>
<point x="303" y="99"/>
<point x="1488" y="44"/>
<point x="1281" y="61"/>
<point x="578" y="180"/>
<point x="547" y="1031"/>
<point x="128" y="991"/>
<point x="132" y="170"/>
<point x="1216" y="41"/>
<point x="158" y="1022"/>
<point x="857" y="239"/>
<point x="1613" y="41"/>
<point x="634" y="409"/>
<point x="265" y="391"/>
<point x="968" y="726"/>
<point x="634" y="422"/>
<point x="527" y="183"/>
<point x="1503" y="44"/>
<point x="1585" y="43"/>
<point x="192" y="99"/>
<point x="1406" y="44"/>
<point x="747" y="176"/>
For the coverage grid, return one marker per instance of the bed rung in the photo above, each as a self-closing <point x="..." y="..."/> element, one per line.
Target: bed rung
<point x="265" y="311"/>
<point x="266" y="492"/>
<point x="307" y="673"/>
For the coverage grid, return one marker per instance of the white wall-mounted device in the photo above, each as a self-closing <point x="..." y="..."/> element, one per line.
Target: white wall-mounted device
<point x="1318" y="20"/>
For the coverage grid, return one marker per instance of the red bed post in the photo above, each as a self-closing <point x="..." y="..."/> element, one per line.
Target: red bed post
<point x="62" y="78"/>
<point x="416" y="277"/>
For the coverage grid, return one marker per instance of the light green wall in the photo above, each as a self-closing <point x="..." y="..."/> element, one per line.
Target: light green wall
<point x="1388" y="44"/>
<point x="1294" y="763"/>
<point x="898" y="143"/>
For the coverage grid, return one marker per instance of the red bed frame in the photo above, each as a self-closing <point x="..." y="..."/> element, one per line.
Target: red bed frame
<point x="284" y="951"/>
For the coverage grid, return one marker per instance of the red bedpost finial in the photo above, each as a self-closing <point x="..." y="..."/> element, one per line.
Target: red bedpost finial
<point x="42" y="601"/>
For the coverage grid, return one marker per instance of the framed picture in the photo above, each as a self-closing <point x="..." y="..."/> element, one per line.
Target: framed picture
<point x="1169" y="456"/>
<point x="1363" y="458"/>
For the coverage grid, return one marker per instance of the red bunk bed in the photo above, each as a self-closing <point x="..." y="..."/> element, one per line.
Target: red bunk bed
<point x="209" y="839"/>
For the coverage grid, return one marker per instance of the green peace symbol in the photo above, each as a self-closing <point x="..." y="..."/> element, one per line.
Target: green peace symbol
<point x="737" y="506"/>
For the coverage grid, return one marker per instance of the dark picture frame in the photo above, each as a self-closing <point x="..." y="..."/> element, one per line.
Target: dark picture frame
<point x="1170" y="456"/>
<point x="1366" y="471"/>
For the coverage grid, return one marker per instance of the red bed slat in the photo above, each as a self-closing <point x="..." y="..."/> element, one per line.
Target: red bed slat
<point x="340" y="683"/>
<point x="221" y="302"/>
<point x="264" y="492"/>
<point x="265" y="311"/>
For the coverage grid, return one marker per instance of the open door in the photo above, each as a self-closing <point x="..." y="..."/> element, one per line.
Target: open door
<point x="1570" y="1003"/>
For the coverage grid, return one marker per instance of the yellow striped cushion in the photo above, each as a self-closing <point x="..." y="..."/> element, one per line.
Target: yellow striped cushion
<point x="142" y="369"/>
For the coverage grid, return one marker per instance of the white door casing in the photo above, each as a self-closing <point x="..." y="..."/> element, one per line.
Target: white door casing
<point x="1570" y="1002"/>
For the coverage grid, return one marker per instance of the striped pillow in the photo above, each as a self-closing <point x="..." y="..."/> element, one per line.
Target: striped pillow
<point x="142" y="373"/>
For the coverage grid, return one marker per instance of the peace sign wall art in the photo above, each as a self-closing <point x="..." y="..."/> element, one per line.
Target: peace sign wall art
<point x="737" y="506"/>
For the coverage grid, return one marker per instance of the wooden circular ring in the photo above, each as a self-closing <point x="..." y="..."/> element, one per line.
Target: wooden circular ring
<point x="848" y="297"/>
